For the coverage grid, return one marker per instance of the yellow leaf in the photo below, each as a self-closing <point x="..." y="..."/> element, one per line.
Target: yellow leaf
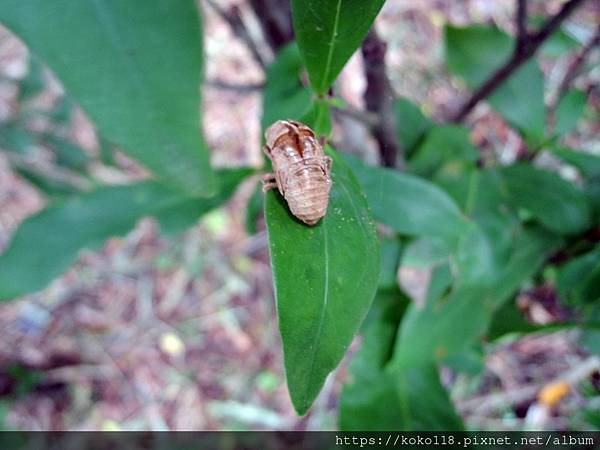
<point x="551" y="394"/>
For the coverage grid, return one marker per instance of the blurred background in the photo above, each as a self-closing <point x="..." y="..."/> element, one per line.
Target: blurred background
<point x="179" y="332"/>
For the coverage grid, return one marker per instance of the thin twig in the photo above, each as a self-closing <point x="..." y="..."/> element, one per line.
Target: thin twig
<point x="275" y="18"/>
<point x="573" y="69"/>
<point x="365" y="117"/>
<point x="241" y="88"/>
<point x="234" y="19"/>
<point x="523" y="51"/>
<point x="379" y="98"/>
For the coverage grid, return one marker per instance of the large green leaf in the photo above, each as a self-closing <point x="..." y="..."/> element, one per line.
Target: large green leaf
<point x="370" y="400"/>
<point x="425" y="403"/>
<point x="444" y="145"/>
<point x="587" y="163"/>
<point x="569" y="110"/>
<point x="328" y="32"/>
<point x="508" y="319"/>
<point x="475" y="52"/>
<point x="590" y="336"/>
<point x="322" y="293"/>
<point x="136" y="71"/>
<point x="284" y="95"/>
<point x="48" y="243"/>
<point x="411" y="123"/>
<point x="558" y="43"/>
<point x="408" y="204"/>
<point x="555" y="202"/>
<point x="481" y="196"/>
<point x="430" y="332"/>
<point x="183" y="215"/>
<point x="390" y="258"/>
<point x="579" y="279"/>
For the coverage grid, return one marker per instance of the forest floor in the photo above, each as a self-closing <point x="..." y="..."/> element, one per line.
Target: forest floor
<point x="180" y="333"/>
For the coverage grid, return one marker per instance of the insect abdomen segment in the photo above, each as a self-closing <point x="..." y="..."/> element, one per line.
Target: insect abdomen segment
<point x="302" y="170"/>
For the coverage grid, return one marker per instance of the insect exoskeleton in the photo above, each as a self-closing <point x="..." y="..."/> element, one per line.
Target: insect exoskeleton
<point x="301" y="169"/>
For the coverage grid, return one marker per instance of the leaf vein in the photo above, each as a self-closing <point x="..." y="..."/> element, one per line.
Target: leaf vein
<point x="336" y="22"/>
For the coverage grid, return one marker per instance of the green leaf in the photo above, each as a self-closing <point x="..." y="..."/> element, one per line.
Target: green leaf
<point x="426" y="252"/>
<point x="107" y="153"/>
<point x="475" y="52"/>
<point x="322" y="294"/>
<point x="558" y="43"/>
<point x="370" y="400"/>
<point x="67" y="154"/>
<point x="426" y="404"/>
<point x="555" y="202"/>
<point x="477" y="192"/>
<point x="136" y="71"/>
<point x="33" y="83"/>
<point x="15" y="138"/>
<point x="475" y="258"/>
<point x="390" y="258"/>
<point x="62" y="110"/>
<point x="508" y="319"/>
<point x="328" y="32"/>
<point x="318" y="118"/>
<point x="481" y="196"/>
<point x="471" y="362"/>
<point x="408" y="204"/>
<point x="254" y="208"/>
<point x="588" y="164"/>
<point x="411" y="124"/>
<point x="569" y="110"/>
<point x="284" y="95"/>
<point x="590" y="337"/>
<point x="180" y="217"/>
<point x="47" y="243"/>
<point x="592" y="192"/>
<point x="430" y="332"/>
<point x="51" y="187"/>
<point x="444" y="145"/>
<point x="579" y="279"/>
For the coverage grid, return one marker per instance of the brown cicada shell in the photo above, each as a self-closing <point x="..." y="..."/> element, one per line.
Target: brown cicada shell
<point x="301" y="169"/>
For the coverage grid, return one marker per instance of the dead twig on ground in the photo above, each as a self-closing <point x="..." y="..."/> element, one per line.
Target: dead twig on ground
<point x="483" y="404"/>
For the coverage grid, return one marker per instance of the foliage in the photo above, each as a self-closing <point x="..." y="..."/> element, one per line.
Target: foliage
<point x="477" y="234"/>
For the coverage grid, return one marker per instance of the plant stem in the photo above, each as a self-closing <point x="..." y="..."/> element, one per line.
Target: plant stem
<point x="379" y="100"/>
<point x="525" y="48"/>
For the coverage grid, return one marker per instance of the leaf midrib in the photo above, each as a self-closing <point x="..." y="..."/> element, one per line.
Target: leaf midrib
<point x="336" y="22"/>
<point x="324" y="304"/>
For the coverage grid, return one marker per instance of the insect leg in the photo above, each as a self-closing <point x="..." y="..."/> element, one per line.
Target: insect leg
<point x="268" y="186"/>
<point x="268" y="177"/>
<point x="269" y="182"/>
<point x="328" y="162"/>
